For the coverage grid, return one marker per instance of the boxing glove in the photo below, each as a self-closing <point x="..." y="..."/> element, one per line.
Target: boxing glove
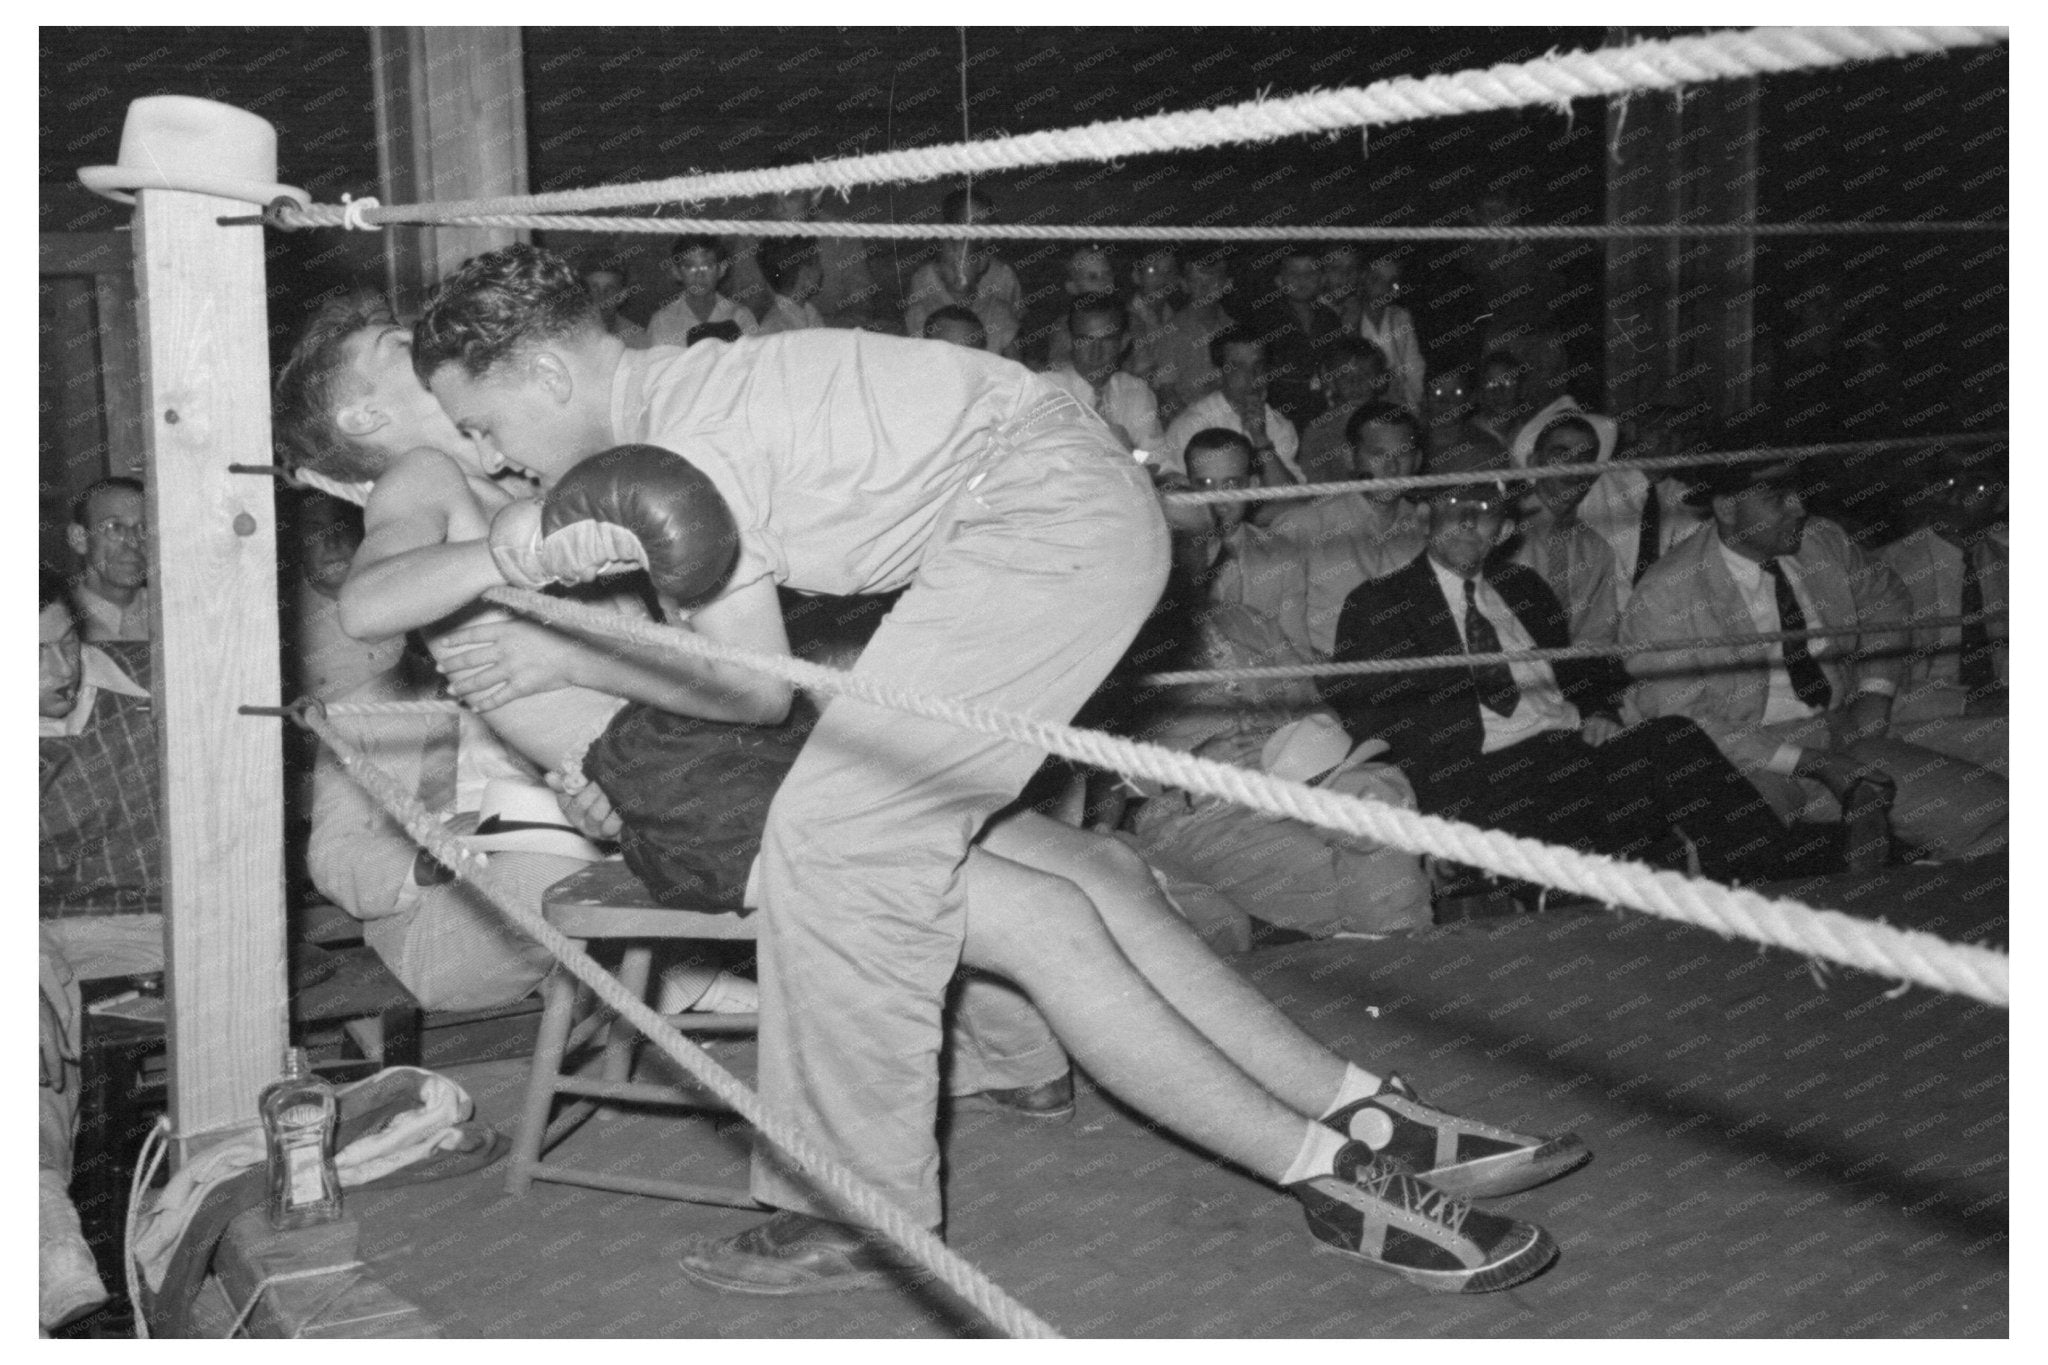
<point x="672" y="517"/>
<point x="528" y="558"/>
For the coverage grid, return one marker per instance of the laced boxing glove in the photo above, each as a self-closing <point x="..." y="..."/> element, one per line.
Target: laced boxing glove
<point x="649" y="505"/>
<point x="529" y="559"/>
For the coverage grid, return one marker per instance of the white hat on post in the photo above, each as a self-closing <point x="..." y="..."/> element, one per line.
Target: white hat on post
<point x="179" y="142"/>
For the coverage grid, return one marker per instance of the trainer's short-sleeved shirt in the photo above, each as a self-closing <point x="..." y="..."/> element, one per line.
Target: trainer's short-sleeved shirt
<point x="837" y="450"/>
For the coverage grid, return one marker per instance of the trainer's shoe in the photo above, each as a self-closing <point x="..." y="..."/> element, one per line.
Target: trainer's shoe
<point x="1048" y="1102"/>
<point x="1464" y="1158"/>
<point x="795" y="1253"/>
<point x="1389" y="1218"/>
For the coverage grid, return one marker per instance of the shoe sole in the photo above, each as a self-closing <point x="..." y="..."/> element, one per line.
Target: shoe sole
<point x="1491" y="1177"/>
<point x="982" y="1104"/>
<point x="1525" y="1262"/>
<point x="837" y="1284"/>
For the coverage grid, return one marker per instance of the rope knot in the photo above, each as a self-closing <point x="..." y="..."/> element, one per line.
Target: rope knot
<point x="352" y="212"/>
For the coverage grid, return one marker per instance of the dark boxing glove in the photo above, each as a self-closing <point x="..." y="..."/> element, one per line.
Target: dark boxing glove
<point x="650" y="502"/>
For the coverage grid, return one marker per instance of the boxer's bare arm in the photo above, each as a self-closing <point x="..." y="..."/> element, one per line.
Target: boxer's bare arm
<point x="408" y="573"/>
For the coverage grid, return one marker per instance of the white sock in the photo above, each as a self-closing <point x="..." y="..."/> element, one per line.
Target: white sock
<point x="1355" y="1086"/>
<point x="1318" y="1154"/>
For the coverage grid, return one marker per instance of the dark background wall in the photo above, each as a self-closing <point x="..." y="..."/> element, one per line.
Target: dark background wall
<point x="1897" y="139"/>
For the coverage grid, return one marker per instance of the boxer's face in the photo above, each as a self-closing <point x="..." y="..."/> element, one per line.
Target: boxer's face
<point x="526" y="414"/>
<point x="401" y="413"/>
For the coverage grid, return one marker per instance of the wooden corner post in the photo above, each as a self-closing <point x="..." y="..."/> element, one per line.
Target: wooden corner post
<point x="213" y="570"/>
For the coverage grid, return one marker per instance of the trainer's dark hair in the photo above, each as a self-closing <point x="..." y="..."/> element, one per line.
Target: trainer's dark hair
<point x="1108" y="305"/>
<point x="1381" y="413"/>
<point x="498" y="303"/>
<point x="314" y="381"/>
<point x="81" y="506"/>
<point x="1240" y="335"/>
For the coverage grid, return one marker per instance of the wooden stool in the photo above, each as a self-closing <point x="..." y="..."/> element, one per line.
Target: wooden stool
<point x="606" y="902"/>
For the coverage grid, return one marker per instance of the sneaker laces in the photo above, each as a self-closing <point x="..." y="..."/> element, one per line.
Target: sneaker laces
<point x="1415" y="1196"/>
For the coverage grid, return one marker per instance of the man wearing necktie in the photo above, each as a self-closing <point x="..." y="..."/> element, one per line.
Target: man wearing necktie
<point x="1533" y="748"/>
<point x="1810" y="722"/>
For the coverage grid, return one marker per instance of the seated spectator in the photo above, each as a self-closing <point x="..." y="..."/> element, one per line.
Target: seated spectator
<point x="99" y="899"/>
<point x="1809" y="722"/>
<point x="1387" y="325"/>
<point x="1573" y="559"/>
<point x="1345" y="538"/>
<point x="1535" y="749"/>
<point x="847" y="295"/>
<point x="109" y="531"/>
<point x="1446" y="407"/>
<point x="749" y="282"/>
<point x="1356" y="373"/>
<point x="1220" y="554"/>
<point x="330" y="661"/>
<point x="1096" y="324"/>
<point x="1343" y="268"/>
<point x="791" y="265"/>
<point x="1182" y="367"/>
<point x="1954" y="564"/>
<point x="1154" y="278"/>
<point x="607" y="287"/>
<point x="1239" y="404"/>
<point x="1089" y="271"/>
<point x="699" y="263"/>
<point x="1226" y="865"/>
<point x="1498" y="408"/>
<point x="1638" y="528"/>
<point x="100" y="823"/>
<point x="968" y="274"/>
<point x="1296" y="331"/>
<point x="956" y="326"/>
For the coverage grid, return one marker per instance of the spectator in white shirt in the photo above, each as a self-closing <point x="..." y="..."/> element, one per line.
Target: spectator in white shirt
<point x="966" y="273"/>
<point x="699" y="264"/>
<point x="791" y="265"/>
<point x="1239" y="404"/>
<point x="1099" y="326"/>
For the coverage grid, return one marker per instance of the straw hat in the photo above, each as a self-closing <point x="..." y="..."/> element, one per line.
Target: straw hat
<point x="177" y="142"/>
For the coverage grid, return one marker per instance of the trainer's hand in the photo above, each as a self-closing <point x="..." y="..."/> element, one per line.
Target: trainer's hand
<point x="500" y="661"/>
<point x="656" y="506"/>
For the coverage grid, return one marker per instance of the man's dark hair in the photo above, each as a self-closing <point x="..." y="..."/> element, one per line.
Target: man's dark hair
<point x="1239" y="335"/>
<point x="954" y="312"/>
<point x="783" y="259"/>
<point x="498" y="303"/>
<point x="81" y="506"/>
<point x="953" y="208"/>
<point x="698" y="241"/>
<point x="1217" y="438"/>
<point x="312" y="384"/>
<point x="50" y="588"/>
<point x="1108" y="305"/>
<point x="1562" y="420"/>
<point x="1381" y="413"/>
<point x="1504" y="358"/>
<point x="1350" y="346"/>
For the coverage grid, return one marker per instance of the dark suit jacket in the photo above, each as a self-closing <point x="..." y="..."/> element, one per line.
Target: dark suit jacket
<point x="1427" y="717"/>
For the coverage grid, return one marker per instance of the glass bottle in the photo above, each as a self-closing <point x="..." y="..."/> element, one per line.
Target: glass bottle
<point x="299" y="1112"/>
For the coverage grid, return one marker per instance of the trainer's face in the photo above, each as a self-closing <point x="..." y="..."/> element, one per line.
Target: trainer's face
<point x="519" y="420"/>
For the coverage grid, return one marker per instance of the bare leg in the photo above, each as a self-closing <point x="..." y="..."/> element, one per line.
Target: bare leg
<point x="1221" y="1005"/>
<point x="1042" y="932"/>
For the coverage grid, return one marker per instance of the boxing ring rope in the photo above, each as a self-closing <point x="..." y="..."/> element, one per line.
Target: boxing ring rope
<point x="294" y="217"/>
<point x="1553" y="81"/>
<point x="854" y="1194"/>
<point x="1656" y="465"/>
<point x="1906" y="955"/>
